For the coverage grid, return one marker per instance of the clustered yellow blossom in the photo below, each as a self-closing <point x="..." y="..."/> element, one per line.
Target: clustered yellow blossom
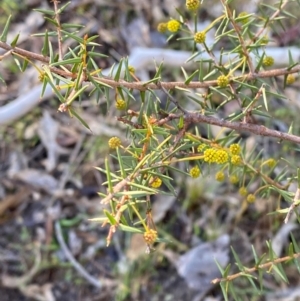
<point x="222" y="81"/>
<point x="264" y="40"/>
<point x="195" y="172"/>
<point x="131" y="69"/>
<point x="268" y="61"/>
<point x="290" y="79"/>
<point x="41" y="76"/>
<point x="173" y="25"/>
<point x="156" y="182"/>
<point x="243" y="191"/>
<point x="235" y="149"/>
<point x="192" y="4"/>
<point x="200" y="37"/>
<point x="201" y="147"/>
<point x="243" y="15"/>
<point x="221" y="156"/>
<point x="210" y="155"/>
<point x="162" y="27"/>
<point x="250" y="198"/>
<point x="271" y="162"/>
<point x="120" y="104"/>
<point x="220" y="176"/>
<point x="150" y="236"/>
<point x="236" y="160"/>
<point x="233" y="179"/>
<point x="114" y="142"/>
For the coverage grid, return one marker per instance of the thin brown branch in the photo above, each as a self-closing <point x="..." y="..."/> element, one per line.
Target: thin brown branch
<point x="239" y="35"/>
<point x="118" y="187"/>
<point x="293" y="205"/>
<point x="269" y="20"/>
<point x="240" y="126"/>
<point x="142" y="86"/>
<point x="256" y="268"/>
<point x="58" y="29"/>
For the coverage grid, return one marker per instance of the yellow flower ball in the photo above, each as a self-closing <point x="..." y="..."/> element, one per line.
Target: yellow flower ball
<point x="120" y="104"/>
<point x="244" y="19"/>
<point x="195" y="172"/>
<point x="221" y="156"/>
<point x="201" y="147"/>
<point x="268" y="61"/>
<point x="233" y="179"/>
<point x="114" y="142"/>
<point x="222" y="81"/>
<point x="210" y="155"/>
<point x="150" y="236"/>
<point x="220" y="176"/>
<point x="271" y="162"/>
<point x="131" y="69"/>
<point x="243" y="191"/>
<point x="156" y="182"/>
<point x="250" y="198"/>
<point x="290" y="79"/>
<point x="264" y="40"/>
<point x="235" y="149"/>
<point x="173" y="25"/>
<point x="162" y="27"/>
<point x="192" y="4"/>
<point x="200" y="37"/>
<point x="236" y="160"/>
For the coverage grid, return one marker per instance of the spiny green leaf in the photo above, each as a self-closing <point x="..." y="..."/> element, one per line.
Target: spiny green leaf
<point x="295" y="245"/>
<point x="45" y="11"/>
<point x="63" y="7"/>
<point x="189" y="78"/>
<point x="153" y="80"/>
<point x="45" y="49"/>
<point x="15" y="41"/>
<point x="118" y="73"/>
<point x="3" y="36"/>
<point x="280" y="272"/>
<point x="224" y="290"/>
<point x="75" y="60"/>
<point x="80" y="119"/>
<point x="73" y="36"/>
<point x="52" y="21"/>
<point x="76" y="94"/>
<point x="111" y="219"/>
<point x="237" y="260"/>
<point x="130" y="229"/>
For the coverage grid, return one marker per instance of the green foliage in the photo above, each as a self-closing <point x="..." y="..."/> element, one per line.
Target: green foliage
<point x="164" y="136"/>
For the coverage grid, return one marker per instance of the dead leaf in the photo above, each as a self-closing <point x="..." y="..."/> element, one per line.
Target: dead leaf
<point x="12" y="201"/>
<point x="17" y="162"/>
<point x="38" y="179"/>
<point x="48" y="131"/>
<point x="38" y="292"/>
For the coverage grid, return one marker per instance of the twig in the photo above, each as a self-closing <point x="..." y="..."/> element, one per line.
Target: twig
<point x="118" y="187"/>
<point x="293" y="205"/>
<point x="240" y="126"/>
<point x="269" y="20"/>
<point x="58" y="29"/>
<point x="175" y="101"/>
<point x="92" y="280"/>
<point x="247" y="271"/>
<point x="140" y="58"/>
<point x="240" y="37"/>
